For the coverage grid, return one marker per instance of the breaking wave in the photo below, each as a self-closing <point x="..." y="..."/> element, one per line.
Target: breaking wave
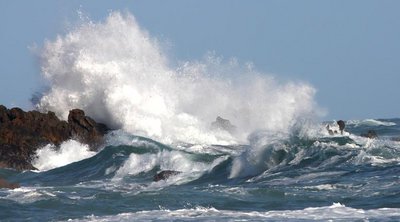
<point x="50" y="157"/>
<point x="119" y="74"/>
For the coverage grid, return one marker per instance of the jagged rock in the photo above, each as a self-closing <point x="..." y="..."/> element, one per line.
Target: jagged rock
<point x="223" y="124"/>
<point x="336" y="128"/>
<point x="15" y="157"/>
<point x="85" y="129"/>
<point x="342" y="125"/>
<point x="370" y="134"/>
<point x="165" y="174"/>
<point x="21" y="133"/>
<point x="5" y="184"/>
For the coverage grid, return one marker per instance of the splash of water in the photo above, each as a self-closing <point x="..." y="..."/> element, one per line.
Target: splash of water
<point x="165" y="160"/>
<point x="70" y="151"/>
<point x="118" y="74"/>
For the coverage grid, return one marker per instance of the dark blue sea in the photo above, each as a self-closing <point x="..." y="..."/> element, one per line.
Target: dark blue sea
<point x="274" y="177"/>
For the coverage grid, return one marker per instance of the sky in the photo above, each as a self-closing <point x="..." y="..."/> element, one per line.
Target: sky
<point x="348" y="50"/>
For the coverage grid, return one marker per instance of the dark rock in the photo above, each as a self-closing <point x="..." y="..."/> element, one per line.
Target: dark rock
<point x="22" y="133"/>
<point x="370" y="134"/>
<point x="85" y="129"/>
<point x="223" y="124"/>
<point x="5" y="184"/>
<point x="14" y="157"/>
<point x="165" y="174"/>
<point x="342" y="125"/>
<point x="333" y="130"/>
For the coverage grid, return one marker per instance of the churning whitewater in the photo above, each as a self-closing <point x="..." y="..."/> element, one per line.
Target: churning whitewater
<point x="119" y="75"/>
<point x="237" y="144"/>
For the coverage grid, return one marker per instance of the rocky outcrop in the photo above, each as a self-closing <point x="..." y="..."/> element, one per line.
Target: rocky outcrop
<point x="165" y="174"/>
<point x="85" y="129"/>
<point x="22" y="133"/>
<point x="341" y="125"/>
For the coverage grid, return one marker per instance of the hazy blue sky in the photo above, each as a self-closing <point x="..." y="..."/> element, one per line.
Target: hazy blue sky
<point x="348" y="50"/>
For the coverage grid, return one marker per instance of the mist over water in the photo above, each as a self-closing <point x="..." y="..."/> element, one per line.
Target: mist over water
<point x="119" y="74"/>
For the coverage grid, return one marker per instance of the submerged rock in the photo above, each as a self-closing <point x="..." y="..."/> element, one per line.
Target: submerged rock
<point x="223" y="124"/>
<point x="22" y="133"/>
<point x="397" y="139"/>
<point x="5" y="184"/>
<point x="165" y="174"/>
<point x="370" y="134"/>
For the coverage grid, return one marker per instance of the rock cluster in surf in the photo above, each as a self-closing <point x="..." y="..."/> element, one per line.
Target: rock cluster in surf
<point x="22" y="133"/>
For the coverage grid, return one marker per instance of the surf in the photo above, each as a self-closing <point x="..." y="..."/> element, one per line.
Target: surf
<point x="120" y="75"/>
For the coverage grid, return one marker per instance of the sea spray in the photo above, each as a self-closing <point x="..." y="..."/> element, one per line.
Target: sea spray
<point x="70" y="151"/>
<point x="118" y="74"/>
<point x="178" y="161"/>
<point x="288" y="169"/>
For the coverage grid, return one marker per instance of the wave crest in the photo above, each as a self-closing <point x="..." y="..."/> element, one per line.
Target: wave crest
<point x="118" y="74"/>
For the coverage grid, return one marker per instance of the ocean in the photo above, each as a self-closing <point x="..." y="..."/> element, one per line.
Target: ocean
<point x="245" y="145"/>
<point x="331" y="177"/>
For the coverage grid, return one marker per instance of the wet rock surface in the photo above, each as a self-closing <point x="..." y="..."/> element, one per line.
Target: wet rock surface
<point x="22" y="133"/>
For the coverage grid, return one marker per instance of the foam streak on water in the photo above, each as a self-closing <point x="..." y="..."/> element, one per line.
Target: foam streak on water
<point x="334" y="212"/>
<point x="119" y="75"/>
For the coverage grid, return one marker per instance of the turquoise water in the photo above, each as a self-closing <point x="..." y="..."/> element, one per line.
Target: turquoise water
<point x="287" y="177"/>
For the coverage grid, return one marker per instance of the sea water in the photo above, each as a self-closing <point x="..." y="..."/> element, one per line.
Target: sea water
<point x="345" y="178"/>
<point x="278" y="164"/>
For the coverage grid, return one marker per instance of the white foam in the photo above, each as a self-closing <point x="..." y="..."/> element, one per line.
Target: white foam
<point x="136" y="164"/>
<point x="166" y="160"/>
<point x="210" y="149"/>
<point x="334" y="212"/>
<point x="376" y="151"/>
<point x="27" y="195"/>
<point x="370" y="122"/>
<point x="322" y="187"/>
<point x="118" y="74"/>
<point x="70" y="151"/>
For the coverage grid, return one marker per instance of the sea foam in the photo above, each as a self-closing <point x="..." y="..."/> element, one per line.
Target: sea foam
<point x="120" y="75"/>
<point x="48" y="157"/>
<point x="335" y="212"/>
